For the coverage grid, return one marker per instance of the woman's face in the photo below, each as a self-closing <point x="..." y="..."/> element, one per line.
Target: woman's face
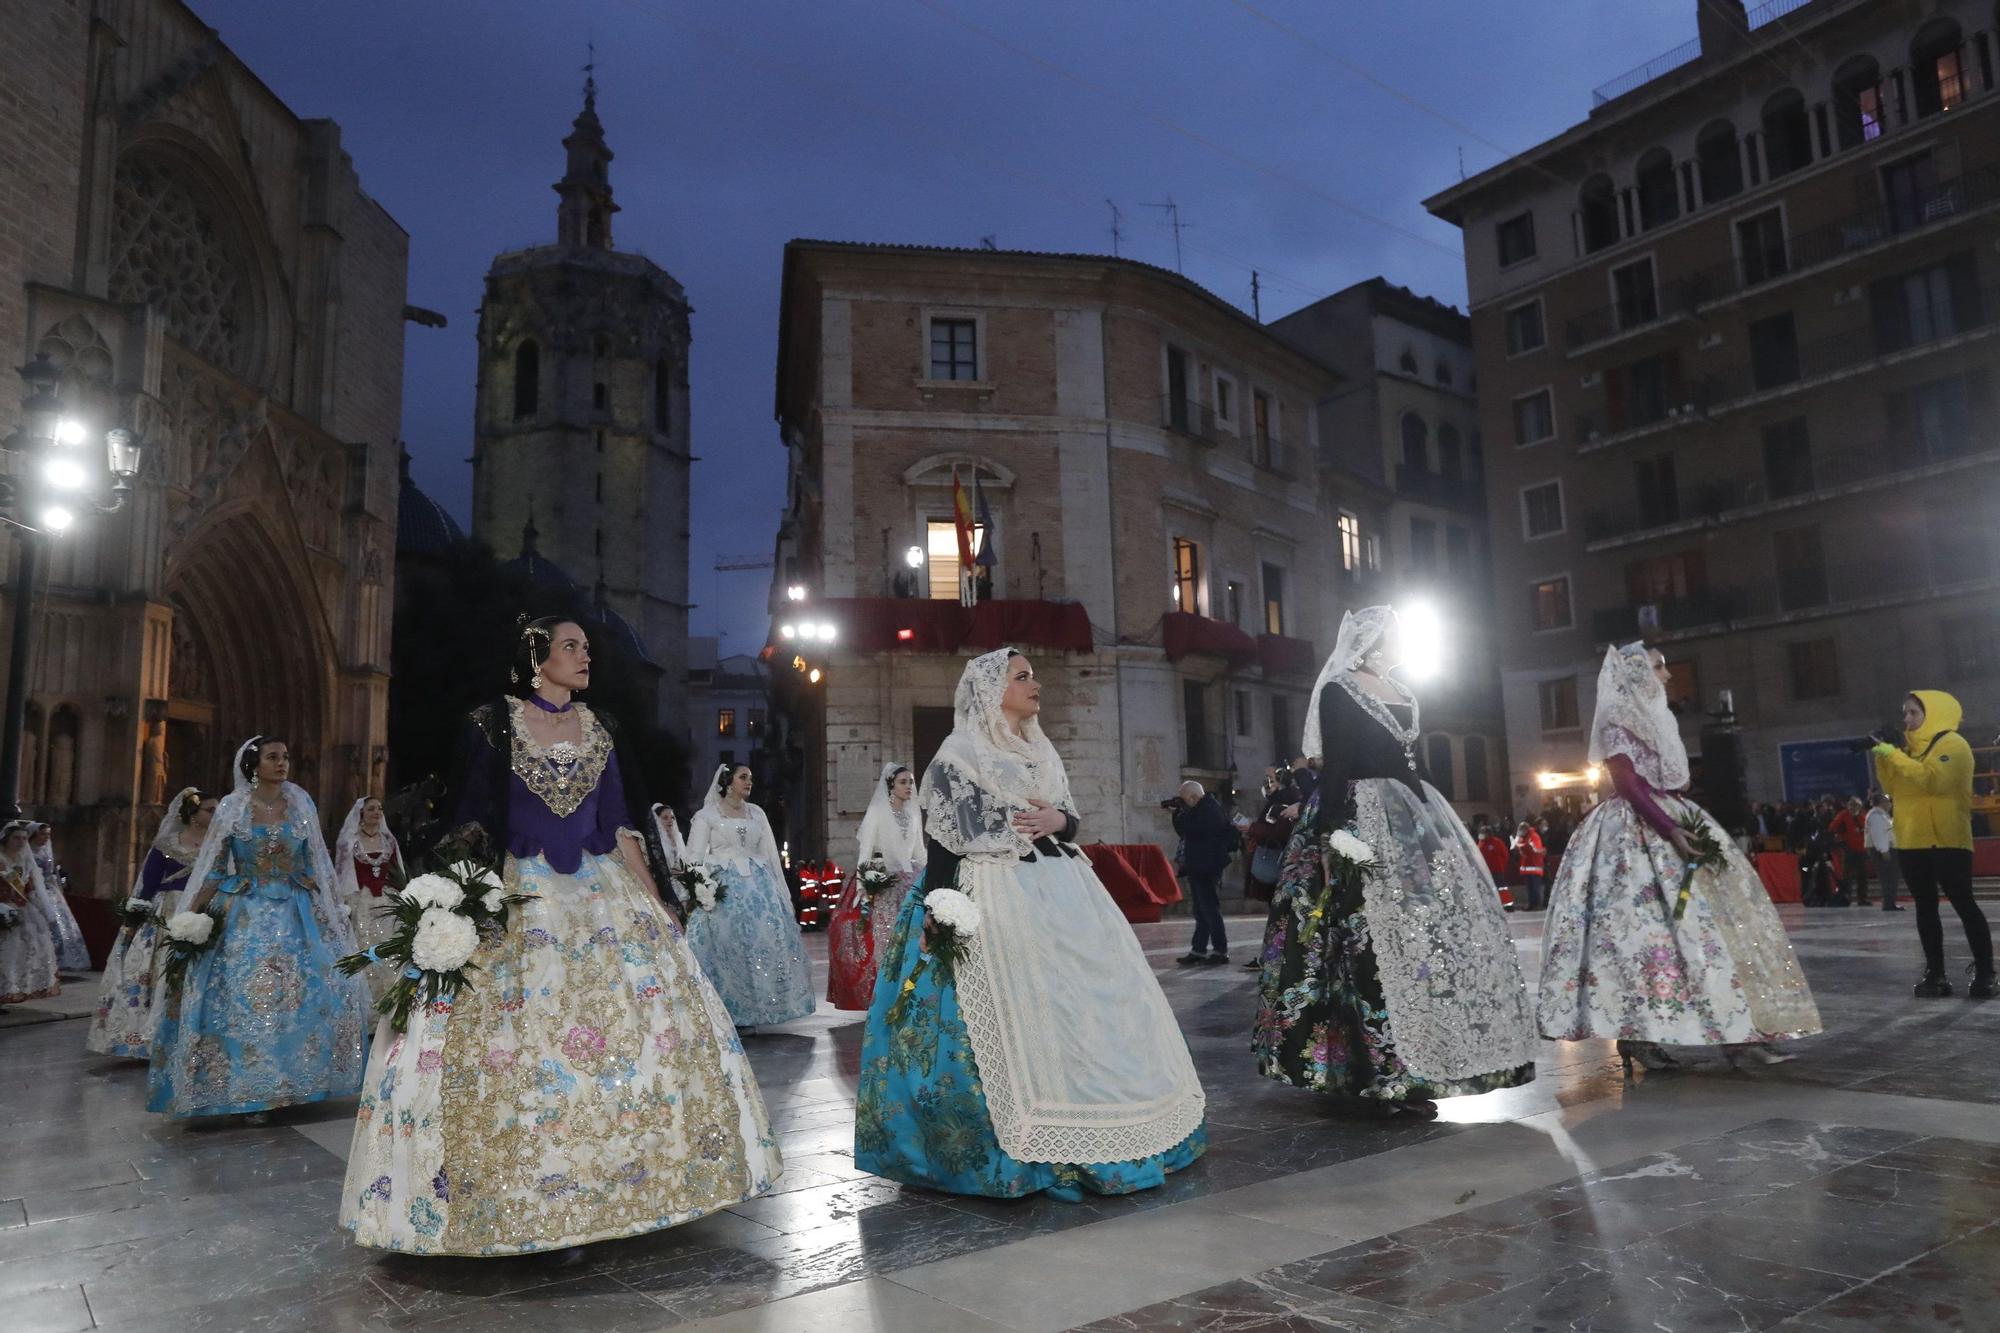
<point x="568" y="662"/>
<point x="1660" y="672"/>
<point x="1387" y="654"/>
<point x="15" y="843"/>
<point x="740" y="783"/>
<point x="39" y="839"/>
<point x="903" y="786"/>
<point x="371" y="816"/>
<point x="203" y="813"/>
<point x="274" y="762"/>
<point x="1023" y="698"/>
<point x="1913" y="714"/>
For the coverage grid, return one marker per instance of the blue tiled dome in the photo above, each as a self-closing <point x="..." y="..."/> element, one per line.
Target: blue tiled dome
<point x="423" y="527"/>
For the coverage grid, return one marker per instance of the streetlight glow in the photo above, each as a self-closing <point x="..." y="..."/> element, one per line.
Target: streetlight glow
<point x="65" y="474"/>
<point x="788" y="632"/>
<point x="813" y="675"/>
<point x="56" y="518"/>
<point x="69" y="431"/>
<point x="826" y="633"/>
<point x="796" y="592"/>
<point x="1423" y="640"/>
<point x="914" y="557"/>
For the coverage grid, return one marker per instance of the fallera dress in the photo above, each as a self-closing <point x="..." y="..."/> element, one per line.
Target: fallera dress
<point x="586" y="1083"/>
<point x="748" y="943"/>
<point x="126" y="1017"/>
<point x="859" y="930"/>
<point x="27" y="951"/>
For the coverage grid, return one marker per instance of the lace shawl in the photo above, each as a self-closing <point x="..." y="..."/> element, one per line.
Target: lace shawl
<point x="233" y="818"/>
<point x="985" y="773"/>
<point x="1633" y="719"/>
<point x="899" y="842"/>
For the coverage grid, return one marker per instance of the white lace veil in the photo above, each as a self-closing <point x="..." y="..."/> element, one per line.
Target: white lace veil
<point x="167" y="840"/>
<point x="233" y="819"/>
<point x="984" y="773"/>
<point x="349" y="841"/>
<point x="1633" y="719"/>
<point x="671" y="843"/>
<point x="881" y="833"/>
<point x="712" y="803"/>
<point x="26" y="860"/>
<point x="712" y="816"/>
<point x="1360" y="631"/>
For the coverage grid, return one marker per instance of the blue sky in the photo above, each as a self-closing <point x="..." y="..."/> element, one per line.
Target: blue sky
<point x="739" y="124"/>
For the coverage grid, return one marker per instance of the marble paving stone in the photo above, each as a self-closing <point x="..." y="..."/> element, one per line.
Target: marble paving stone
<point x="597" y="1304"/>
<point x="1954" y="1287"/>
<point x="872" y="1305"/>
<point x="1065" y="1291"/>
<point x="1257" y="1305"/>
<point x="1807" y="1228"/>
<point x="13" y="1213"/>
<point x="806" y="1209"/>
<point x="46" y="1309"/>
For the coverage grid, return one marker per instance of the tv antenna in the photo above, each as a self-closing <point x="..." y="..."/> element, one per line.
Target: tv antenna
<point x="1173" y="211"/>
<point x="1117" y="234"/>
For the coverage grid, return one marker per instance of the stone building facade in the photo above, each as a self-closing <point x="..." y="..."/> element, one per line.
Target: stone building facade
<point x="1403" y="431"/>
<point x="581" y="424"/>
<point x="1738" y="356"/>
<point x="202" y="265"/>
<point x="1148" y="458"/>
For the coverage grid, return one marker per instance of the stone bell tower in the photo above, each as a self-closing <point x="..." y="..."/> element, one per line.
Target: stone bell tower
<point x="581" y="421"/>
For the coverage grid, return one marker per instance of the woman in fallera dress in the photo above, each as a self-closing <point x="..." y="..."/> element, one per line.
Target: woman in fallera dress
<point x="72" y="954"/>
<point x="27" y="949"/>
<point x="892" y="837"/>
<point x="126" y="1016"/>
<point x="749" y="942"/>
<point x="673" y="848"/>
<point x="1402" y="985"/>
<point x="369" y="861"/>
<point x="585" y="1083"/>
<point x="1615" y="962"/>
<point x="1047" y="1058"/>
<point x="264" y="1019"/>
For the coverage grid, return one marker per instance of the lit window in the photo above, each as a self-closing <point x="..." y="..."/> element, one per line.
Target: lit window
<point x="941" y="545"/>
<point x="1187" y="576"/>
<point x="1350" y="541"/>
<point x="1549" y="604"/>
<point x="725" y="721"/>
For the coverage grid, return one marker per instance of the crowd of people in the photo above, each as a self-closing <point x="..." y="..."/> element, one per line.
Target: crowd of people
<point x="586" y="1075"/>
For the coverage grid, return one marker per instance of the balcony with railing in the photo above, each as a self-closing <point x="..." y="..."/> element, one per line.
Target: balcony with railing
<point x="1804" y="592"/>
<point x="1670" y="301"/>
<point x="1712" y="606"/>
<point x="1427" y="487"/>
<point x="1196" y="420"/>
<point x="1681" y="56"/>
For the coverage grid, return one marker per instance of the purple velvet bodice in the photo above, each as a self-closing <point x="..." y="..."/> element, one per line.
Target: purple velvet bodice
<point x="534" y="829"/>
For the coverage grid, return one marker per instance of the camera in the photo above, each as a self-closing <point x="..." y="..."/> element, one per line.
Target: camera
<point x="1890" y="735"/>
<point x="1171" y="803"/>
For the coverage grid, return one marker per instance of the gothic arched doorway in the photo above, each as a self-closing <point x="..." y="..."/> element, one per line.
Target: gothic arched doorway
<point x="258" y="656"/>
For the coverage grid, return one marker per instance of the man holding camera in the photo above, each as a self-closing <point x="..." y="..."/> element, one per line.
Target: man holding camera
<point x="1207" y="842"/>
<point x="1929" y="777"/>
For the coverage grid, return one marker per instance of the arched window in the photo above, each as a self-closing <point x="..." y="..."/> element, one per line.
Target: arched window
<point x="1437" y="758"/>
<point x="1478" y="787"/>
<point x="527" y="379"/>
<point x="1597" y="202"/>
<point x="1659" y="193"/>
<point x="1787" y="136"/>
<point x="1416" y="443"/>
<point x="1857" y="101"/>
<point x="1408" y="361"/>
<point x="1720" y="161"/>
<point x="1937" y="67"/>
<point x="600" y="396"/>
<point x="1451" y="453"/>
<point x="662" y="395"/>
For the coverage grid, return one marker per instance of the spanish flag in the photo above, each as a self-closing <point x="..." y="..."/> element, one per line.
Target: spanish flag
<point x="961" y="510"/>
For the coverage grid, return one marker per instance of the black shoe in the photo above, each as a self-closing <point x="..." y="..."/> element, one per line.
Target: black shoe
<point x="1255" y="964"/>
<point x="1216" y="959"/>
<point x="1190" y="959"/>
<point x="1933" y="987"/>
<point x="1982" y="987"/>
<point x="1890" y="907"/>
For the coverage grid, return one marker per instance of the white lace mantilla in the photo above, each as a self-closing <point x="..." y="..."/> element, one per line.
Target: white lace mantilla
<point x="1079" y="1055"/>
<point x="1450" y="977"/>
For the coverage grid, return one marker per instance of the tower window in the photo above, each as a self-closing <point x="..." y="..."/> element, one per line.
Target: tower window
<point x="600" y="397"/>
<point x="593" y="228"/>
<point x="600" y="488"/>
<point x="527" y="379"/>
<point x="662" y="399"/>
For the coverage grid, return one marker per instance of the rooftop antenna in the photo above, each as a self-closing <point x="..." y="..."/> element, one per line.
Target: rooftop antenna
<point x="988" y="243"/>
<point x="1174" y="220"/>
<point x="590" y="63"/>
<point x="1117" y="235"/>
<point x="1461" y="161"/>
<point x="1256" y="298"/>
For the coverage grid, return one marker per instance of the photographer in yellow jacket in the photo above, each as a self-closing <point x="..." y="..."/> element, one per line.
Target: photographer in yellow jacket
<point x="1929" y="777"/>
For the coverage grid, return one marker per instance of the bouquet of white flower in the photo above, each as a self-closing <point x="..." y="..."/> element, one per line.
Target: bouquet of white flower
<point x="188" y="936"/>
<point x="10" y="917"/>
<point x="873" y="877"/>
<point x="700" y="885"/>
<point x="441" y="919"/>
<point x="1348" y="861"/>
<point x="135" y="912"/>
<point x="951" y="919"/>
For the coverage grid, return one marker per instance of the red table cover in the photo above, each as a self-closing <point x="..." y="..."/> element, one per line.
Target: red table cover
<point x="1138" y="876"/>
<point x="1780" y="873"/>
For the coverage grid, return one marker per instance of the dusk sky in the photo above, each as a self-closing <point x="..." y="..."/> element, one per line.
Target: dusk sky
<point x="738" y="126"/>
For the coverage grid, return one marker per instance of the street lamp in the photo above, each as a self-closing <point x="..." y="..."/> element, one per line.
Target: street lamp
<point x="58" y="477"/>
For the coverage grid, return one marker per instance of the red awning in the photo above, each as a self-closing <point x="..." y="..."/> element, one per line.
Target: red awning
<point x="1282" y="655"/>
<point x="1182" y="634"/>
<point x="923" y="625"/>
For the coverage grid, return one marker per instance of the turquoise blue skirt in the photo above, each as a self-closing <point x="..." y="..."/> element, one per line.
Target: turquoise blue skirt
<point x="921" y="1115"/>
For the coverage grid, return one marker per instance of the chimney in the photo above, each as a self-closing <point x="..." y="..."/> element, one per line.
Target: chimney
<point x="1723" y="27"/>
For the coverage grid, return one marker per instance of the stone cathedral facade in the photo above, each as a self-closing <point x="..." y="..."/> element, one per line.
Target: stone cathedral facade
<point x="202" y="265"/>
<point x="581" y="426"/>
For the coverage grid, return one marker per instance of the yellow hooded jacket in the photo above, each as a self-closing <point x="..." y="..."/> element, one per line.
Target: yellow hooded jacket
<point x="1930" y="779"/>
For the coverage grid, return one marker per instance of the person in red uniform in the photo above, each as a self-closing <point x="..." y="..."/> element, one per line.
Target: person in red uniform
<point x="1493" y="851"/>
<point x="1533" y="860"/>
<point x="1850" y="831"/>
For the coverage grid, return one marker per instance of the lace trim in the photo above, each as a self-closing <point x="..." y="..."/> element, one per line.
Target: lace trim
<point x="564" y="775"/>
<point x="1379" y="710"/>
<point x="1109" y="1133"/>
<point x="1450" y="977"/>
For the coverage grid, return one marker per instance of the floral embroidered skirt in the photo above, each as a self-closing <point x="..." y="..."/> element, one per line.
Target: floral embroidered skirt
<point x="585" y="1084"/>
<point x="374" y="922"/>
<point x="858" y="938"/>
<point x="125" y="1017"/>
<point x="1615" y="963"/>
<point x="264" y="1019"/>
<point x="1323" y="1020"/>
<point x="72" y="954"/>
<point x="27" y="955"/>
<point x="750" y="948"/>
<point x="921" y="1117"/>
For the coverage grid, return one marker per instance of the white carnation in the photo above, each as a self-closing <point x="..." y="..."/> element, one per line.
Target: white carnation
<point x="1351" y="848"/>
<point x="445" y="941"/>
<point x="190" y="927"/>
<point x="475" y="876"/>
<point x="434" y="891"/>
<point x="10" y="915"/>
<point x="493" y="901"/>
<point x="952" y="909"/>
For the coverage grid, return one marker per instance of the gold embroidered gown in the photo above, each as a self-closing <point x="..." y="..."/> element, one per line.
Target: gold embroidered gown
<point x="587" y="1083"/>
